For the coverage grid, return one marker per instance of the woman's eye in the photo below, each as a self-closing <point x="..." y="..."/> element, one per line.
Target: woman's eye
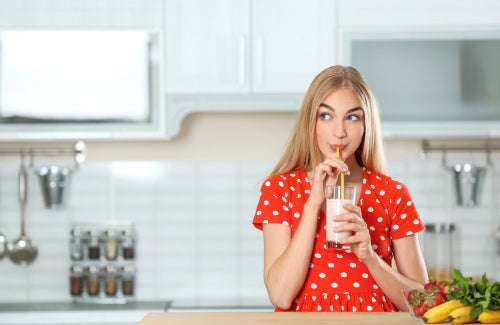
<point x="324" y="116"/>
<point x="353" y="118"/>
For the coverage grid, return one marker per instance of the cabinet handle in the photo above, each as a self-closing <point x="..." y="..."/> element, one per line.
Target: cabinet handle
<point x="242" y="60"/>
<point x="259" y="60"/>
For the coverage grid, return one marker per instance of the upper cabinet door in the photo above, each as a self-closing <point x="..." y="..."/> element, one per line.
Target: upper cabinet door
<point x="426" y="14"/>
<point x="207" y="46"/>
<point x="247" y="46"/>
<point x="293" y="41"/>
<point x="141" y="14"/>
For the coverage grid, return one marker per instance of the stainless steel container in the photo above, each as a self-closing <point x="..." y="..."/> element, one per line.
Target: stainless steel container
<point x="468" y="181"/>
<point x="54" y="182"/>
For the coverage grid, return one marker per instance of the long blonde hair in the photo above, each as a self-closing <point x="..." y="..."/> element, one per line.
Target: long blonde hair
<point x="302" y="152"/>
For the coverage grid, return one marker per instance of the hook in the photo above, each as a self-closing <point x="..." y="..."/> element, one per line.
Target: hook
<point x="489" y="162"/>
<point x="32" y="159"/>
<point x="425" y="149"/>
<point x="22" y="156"/>
<point x="444" y="163"/>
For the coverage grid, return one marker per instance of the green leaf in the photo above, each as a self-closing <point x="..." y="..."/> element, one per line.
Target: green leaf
<point x="485" y="280"/>
<point x="457" y="275"/>
<point x="475" y="311"/>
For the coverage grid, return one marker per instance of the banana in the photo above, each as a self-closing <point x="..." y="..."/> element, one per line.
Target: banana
<point x="441" y="312"/>
<point x="489" y="317"/>
<point x="461" y="315"/>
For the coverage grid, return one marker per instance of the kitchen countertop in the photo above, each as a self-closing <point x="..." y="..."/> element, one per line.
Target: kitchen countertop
<point x="268" y="318"/>
<point x="32" y="313"/>
<point x="70" y="306"/>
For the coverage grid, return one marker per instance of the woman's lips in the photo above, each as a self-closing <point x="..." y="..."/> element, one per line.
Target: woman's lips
<point x="335" y="146"/>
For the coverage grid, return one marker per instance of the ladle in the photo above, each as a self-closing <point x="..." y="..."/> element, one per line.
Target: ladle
<point x="23" y="251"/>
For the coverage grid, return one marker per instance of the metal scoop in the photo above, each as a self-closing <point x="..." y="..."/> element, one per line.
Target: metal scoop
<point x="22" y="251"/>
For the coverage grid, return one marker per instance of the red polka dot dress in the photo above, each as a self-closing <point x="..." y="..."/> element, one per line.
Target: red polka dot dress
<point x="337" y="280"/>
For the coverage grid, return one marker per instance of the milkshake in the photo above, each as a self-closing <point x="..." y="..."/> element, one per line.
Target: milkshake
<point x="336" y="197"/>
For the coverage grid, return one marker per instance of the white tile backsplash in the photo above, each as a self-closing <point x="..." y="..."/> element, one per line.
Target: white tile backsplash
<point x="196" y="243"/>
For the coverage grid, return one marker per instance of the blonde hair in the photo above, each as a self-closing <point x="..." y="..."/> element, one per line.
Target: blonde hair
<point x="302" y="152"/>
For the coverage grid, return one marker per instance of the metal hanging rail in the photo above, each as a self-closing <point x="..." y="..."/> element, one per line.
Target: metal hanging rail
<point x="487" y="149"/>
<point x="426" y="148"/>
<point x="78" y="151"/>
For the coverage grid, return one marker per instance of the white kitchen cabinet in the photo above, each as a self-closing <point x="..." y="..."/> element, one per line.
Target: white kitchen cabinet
<point x="430" y="63"/>
<point x="207" y="46"/>
<point x="293" y="42"/>
<point x="48" y="18"/>
<point x="423" y="13"/>
<point x="81" y="14"/>
<point x="247" y="46"/>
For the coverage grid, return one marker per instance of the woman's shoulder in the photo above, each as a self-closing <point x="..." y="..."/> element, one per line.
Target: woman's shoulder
<point x="288" y="177"/>
<point x="373" y="177"/>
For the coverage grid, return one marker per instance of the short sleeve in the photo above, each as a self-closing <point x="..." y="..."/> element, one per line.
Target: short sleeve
<point x="405" y="219"/>
<point x="272" y="207"/>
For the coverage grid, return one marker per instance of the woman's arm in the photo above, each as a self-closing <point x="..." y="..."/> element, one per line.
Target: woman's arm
<point x="411" y="272"/>
<point x="286" y="259"/>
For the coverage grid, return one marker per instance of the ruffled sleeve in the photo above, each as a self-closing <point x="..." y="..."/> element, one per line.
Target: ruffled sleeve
<point x="405" y="218"/>
<point x="273" y="206"/>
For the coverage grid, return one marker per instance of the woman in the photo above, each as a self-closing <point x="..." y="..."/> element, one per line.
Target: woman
<point x="300" y="273"/>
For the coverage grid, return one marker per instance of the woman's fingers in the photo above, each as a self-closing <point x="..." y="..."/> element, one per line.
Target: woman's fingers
<point x="338" y="164"/>
<point x="326" y="173"/>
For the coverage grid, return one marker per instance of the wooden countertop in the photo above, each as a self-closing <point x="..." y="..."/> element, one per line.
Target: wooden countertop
<point x="287" y="318"/>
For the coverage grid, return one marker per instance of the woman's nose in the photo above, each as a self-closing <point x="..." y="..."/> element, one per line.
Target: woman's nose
<point x="339" y="129"/>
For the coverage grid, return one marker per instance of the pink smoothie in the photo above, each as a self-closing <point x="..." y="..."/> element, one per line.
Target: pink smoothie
<point x="334" y="208"/>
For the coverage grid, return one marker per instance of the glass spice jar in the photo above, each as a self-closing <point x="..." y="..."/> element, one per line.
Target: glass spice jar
<point x="76" y="246"/>
<point x="110" y="280"/>
<point x="111" y="244"/>
<point x="127" y="277"/>
<point x="128" y="243"/>
<point x="93" y="246"/>
<point x="93" y="273"/>
<point x="440" y="250"/>
<point x="76" y="280"/>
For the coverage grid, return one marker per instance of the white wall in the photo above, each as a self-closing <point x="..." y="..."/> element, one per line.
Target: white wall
<point x="192" y="200"/>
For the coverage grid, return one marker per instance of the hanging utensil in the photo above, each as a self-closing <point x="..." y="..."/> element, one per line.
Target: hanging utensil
<point x="468" y="180"/>
<point x="54" y="182"/>
<point x="3" y="246"/>
<point x="23" y="251"/>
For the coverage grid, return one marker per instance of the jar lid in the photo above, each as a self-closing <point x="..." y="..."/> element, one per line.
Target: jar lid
<point x="111" y="233"/>
<point x="440" y="227"/>
<point x="110" y="269"/>
<point x="76" y="269"/>
<point x="128" y="268"/>
<point x="93" y="269"/>
<point x="128" y="232"/>
<point x="93" y="232"/>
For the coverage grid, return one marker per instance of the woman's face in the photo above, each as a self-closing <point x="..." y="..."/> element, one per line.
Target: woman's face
<point x="340" y="122"/>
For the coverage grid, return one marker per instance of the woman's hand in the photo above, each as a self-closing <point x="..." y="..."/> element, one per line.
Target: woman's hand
<point x="360" y="240"/>
<point x="326" y="173"/>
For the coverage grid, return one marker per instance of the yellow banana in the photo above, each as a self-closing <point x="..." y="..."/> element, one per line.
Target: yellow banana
<point x="489" y="317"/>
<point x="461" y="315"/>
<point x="441" y="312"/>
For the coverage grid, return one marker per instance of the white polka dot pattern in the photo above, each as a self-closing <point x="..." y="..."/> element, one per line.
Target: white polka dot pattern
<point x="337" y="279"/>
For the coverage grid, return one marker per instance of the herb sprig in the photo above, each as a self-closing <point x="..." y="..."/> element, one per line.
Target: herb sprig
<point x="481" y="295"/>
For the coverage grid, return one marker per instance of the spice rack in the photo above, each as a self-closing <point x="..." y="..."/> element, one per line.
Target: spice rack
<point x="102" y="262"/>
